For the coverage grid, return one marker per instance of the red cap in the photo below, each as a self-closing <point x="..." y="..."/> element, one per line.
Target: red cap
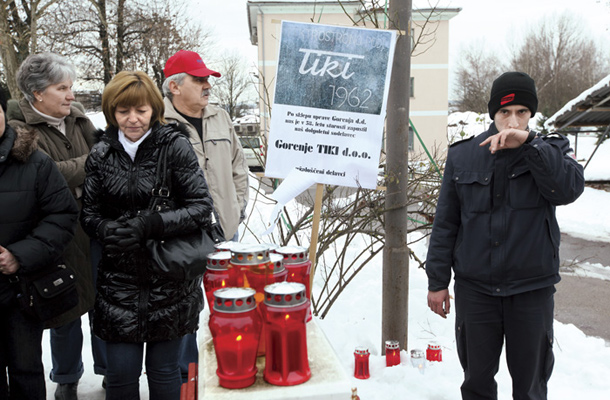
<point x="189" y="62"/>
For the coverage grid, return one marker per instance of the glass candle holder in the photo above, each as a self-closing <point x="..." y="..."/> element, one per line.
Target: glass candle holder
<point x="216" y="275"/>
<point x="392" y="353"/>
<point x="418" y="360"/>
<point x="434" y="352"/>
<point x="244" y="257"/>
<point x="361" y="363"/>
<point x="264" y="273"/>
<point x="235" y="327"/>
<point x="284" y="312"/>
<point x="298" y="265"/>
<point x="258" y="276"/>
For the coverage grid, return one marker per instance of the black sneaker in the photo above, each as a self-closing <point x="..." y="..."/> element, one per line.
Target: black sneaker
<point x="66" y="391"/>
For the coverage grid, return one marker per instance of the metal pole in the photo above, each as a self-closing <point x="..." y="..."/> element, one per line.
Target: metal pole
<point x="601" y="140"/>
<point x="395" y="305"/>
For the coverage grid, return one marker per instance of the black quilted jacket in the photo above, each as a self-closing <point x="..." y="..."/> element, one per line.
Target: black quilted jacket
<point x="37" y="211"/>
<point x="134" y="304"/>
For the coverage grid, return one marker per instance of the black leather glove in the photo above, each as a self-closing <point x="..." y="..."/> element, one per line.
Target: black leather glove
<point x="106" y="231"/>
<point x="130" y="236"/>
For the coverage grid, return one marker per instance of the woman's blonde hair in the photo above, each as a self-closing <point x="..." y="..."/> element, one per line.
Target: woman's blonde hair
<point x="132" y="89"/>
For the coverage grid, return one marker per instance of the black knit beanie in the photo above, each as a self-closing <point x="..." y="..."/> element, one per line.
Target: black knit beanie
<point x="513" y="88"/>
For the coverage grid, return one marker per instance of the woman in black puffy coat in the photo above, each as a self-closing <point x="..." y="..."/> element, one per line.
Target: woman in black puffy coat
<point x="135" y="305"/>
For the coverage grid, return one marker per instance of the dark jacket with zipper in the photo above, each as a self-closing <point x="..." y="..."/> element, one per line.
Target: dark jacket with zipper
<point x="69" y="152"/>
<point x="134" y="304"/>
<point x="495" y="221"/>
<point x="37" y="212"/>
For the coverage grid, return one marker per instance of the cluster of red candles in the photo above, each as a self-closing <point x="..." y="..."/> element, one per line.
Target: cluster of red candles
<point x="259" y="307"/>
<point x="392" y="357"/>
<point x="361" y="358"/>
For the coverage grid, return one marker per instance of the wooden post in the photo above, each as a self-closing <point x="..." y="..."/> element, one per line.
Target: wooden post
<point x="315" y="227"/>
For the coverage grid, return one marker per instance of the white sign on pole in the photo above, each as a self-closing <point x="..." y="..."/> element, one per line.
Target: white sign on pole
<point x="330" y="101"/>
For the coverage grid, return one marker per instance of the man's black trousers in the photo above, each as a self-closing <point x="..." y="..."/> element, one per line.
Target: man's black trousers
<point x="524" y="321"/>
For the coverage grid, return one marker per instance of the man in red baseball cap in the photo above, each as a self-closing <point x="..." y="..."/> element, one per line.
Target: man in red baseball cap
<point x="189" y="79"/>
<point x="189" y="62"/>
<point x="187" y="91"/>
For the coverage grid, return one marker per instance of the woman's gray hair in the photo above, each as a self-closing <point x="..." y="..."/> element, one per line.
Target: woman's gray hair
<point x="39" y="71"/>
<point x="178" y="78"/>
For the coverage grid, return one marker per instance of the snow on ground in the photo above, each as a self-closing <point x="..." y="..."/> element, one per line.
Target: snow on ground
<point x="587" y="217"/>
<point x="580" y="366"/>
<point x="98" y="119"/>
<point x="588" y="270"/>
<point x="597" y="168"/>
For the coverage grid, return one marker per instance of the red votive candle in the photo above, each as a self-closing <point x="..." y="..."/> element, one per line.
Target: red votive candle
<point x="361" y="366"/>
<point x="298" y="265"/>
<point x="244" y="257"/>
<point x="284" y="312"/>
<point x="235" y="327"/>
<point x="216" y="275"/>
<point x="434" y="352"/>
<point x="392" y="353"/>
<point x="257" y="276"/>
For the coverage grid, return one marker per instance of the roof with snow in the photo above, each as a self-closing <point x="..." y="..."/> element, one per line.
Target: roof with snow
<point x="590" y="108"/>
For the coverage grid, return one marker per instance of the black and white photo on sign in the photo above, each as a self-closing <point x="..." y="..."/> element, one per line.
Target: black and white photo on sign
<point x="329" y="104"/>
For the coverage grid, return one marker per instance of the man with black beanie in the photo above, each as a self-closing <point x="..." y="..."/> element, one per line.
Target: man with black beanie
<point x="495" y="227"/>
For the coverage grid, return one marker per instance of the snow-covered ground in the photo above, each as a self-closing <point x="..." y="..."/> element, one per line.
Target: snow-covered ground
<point x="582" y="364"/>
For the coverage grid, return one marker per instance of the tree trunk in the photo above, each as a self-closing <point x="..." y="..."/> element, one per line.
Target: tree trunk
<point x="120" y="36"/>
<point x="395" y="304"/>
<point x="10" y="60"/>
<point x="104" y="38"/>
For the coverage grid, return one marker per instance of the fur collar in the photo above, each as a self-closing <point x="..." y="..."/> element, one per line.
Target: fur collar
<point x="24" y="144"/>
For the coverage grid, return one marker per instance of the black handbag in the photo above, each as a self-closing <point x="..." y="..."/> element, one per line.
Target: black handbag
<point x="48" y="294"/>
<point x="181" y="257"/>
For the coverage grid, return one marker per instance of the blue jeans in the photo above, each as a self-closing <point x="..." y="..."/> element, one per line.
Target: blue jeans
<point x="188" y="354"/>
<point x="125" y="368"/>
<point x="66" y="352"/>
<point x="98" y="346"/>
<point x="20" y="355"/>
<point x="98" y="350"/>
